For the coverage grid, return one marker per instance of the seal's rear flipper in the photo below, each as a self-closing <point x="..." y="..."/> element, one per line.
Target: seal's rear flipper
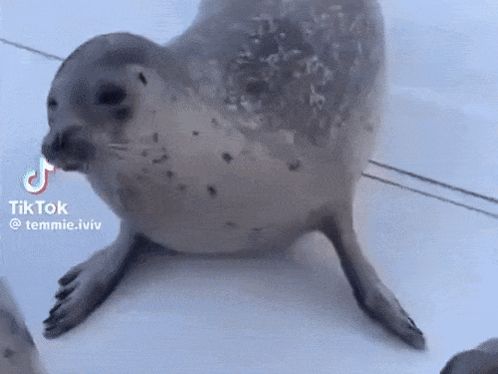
<point x="18" y="353"/>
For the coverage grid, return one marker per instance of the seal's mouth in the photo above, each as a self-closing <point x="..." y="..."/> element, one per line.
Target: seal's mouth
<point x="68" y="163"/>
<point x="73" y="154"/>
<point x="74" y="166"/>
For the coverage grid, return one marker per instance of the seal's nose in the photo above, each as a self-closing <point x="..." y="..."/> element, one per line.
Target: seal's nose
<point x="58" y="141"/>
<point x="50" y="145"/>
<point x="66" y="143"/>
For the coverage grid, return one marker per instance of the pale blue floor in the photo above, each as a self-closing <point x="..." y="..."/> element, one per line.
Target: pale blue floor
<point x="180" y="315"/>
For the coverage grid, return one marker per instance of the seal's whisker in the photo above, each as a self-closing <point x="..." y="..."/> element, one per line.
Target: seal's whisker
<point x="128" y="146"/>
<point x="118" y="147"/>
<point x="117" y="144"/>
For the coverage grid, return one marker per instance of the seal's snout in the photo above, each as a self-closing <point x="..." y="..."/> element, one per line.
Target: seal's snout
<point x="69" y="148"/>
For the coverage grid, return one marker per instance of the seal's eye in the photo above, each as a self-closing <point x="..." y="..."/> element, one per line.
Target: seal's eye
<point x="110" y="95"/>
<point x="52" y="103"/>
<point x="142" y="78"/>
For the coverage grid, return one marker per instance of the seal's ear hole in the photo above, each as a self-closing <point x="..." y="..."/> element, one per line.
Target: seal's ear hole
<point x="141" y="76"/>
<point x="110" y="94"/>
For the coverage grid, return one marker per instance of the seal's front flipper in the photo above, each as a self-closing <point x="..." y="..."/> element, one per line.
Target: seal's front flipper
<point x="84" y="287"/>
<point x="371" y="294"/>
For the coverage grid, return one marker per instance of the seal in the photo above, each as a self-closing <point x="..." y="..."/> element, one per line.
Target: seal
<point x="18" y="353"/>
<point x="482" y="360"/>
<point x="243" y="133"/>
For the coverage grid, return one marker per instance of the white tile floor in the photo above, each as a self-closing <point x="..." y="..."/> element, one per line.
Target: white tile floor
<point x="180" y="315"/>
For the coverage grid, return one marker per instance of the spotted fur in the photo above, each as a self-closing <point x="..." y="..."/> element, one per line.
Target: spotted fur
<point x="303" y="66"/>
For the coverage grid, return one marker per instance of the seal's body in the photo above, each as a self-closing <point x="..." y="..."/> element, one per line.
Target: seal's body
<point x="246" y="131"/>
<point x="278" y="124"/>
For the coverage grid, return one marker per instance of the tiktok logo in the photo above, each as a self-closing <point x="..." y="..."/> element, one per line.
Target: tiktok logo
<point x="36" y="181"/>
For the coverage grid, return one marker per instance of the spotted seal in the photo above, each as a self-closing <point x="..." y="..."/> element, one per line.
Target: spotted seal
<point x="480" y="360"/>
<point x="243" y="133"/>
<point x="18" y="353"/>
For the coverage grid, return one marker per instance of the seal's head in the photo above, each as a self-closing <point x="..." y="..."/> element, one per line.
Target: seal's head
<point x="103" y="91"/>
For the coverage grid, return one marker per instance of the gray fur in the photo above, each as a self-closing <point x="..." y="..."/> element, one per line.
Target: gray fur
<point x="18" y="354"/>
<point x="481" y="360"/>
<point x="297" y="65"/>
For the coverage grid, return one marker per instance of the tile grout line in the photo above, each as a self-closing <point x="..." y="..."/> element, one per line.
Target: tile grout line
<point x="32" y="50"/>
<point x="429" y="195"/>
<point x="448" y="186"/>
